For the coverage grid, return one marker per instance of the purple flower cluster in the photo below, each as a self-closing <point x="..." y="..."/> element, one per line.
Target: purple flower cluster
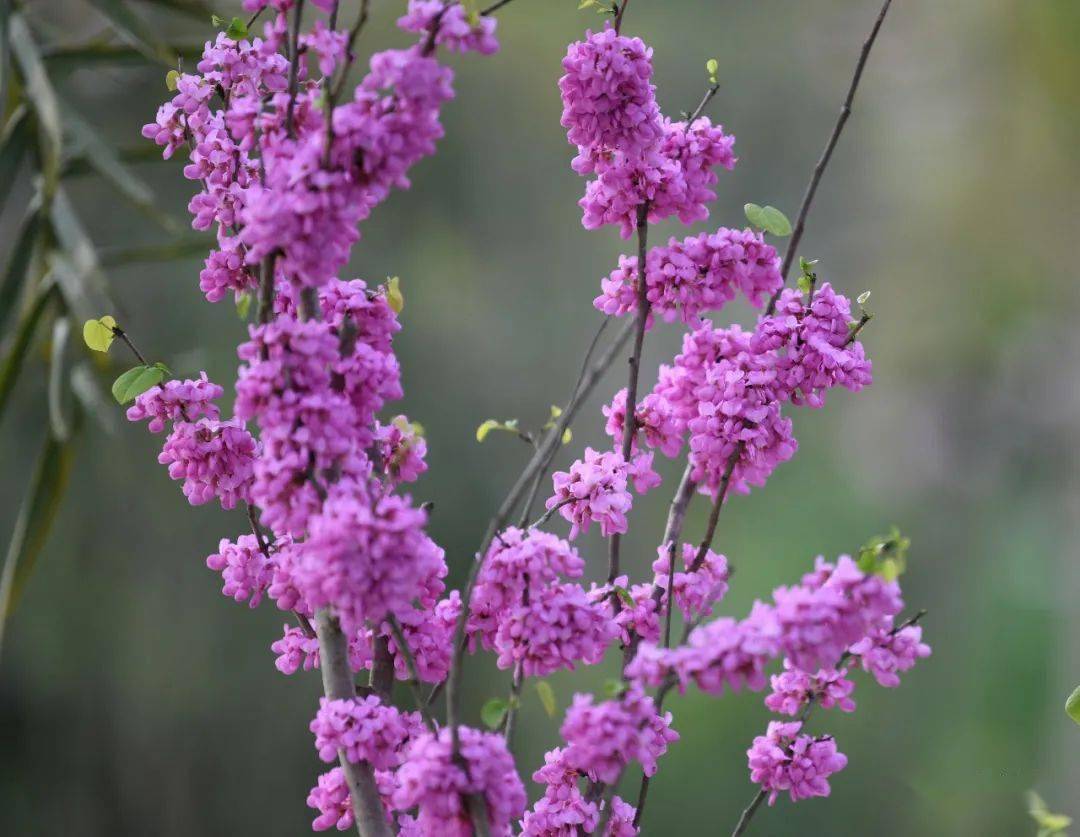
<point x="452" y="26"/>
<point x="885" y="653"/>
<point x="363" y="729"/>
<point x="247" y="573"/>
<point x="558" y="626"/>
<point x="215" y="459"/>
<point x="176" y="401"/>
<point x="696" y="590"/>
<point x="690" y="277"/>
<point x="436" y="784"/>
<point x="367" y="556"/>
<point x="793" y="689"/>
<point x="602" y="738"/>
<point x="785" y="760"/>
<point x="593" y="491"/>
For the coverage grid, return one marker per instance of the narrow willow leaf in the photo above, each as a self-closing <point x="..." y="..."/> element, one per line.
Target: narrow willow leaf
<point x="62" y="60"/>
<point x="93" y="397"/>
<point x="184" y="247"/>
<point x="493" y="712"/>
<point x="18" y="266"/>
<point x="195" y="9"/>
<point x="40" y="93"/>
<point x="547" y="697"/>
<point x="32" y="527"/>
<point x="13" y="362"/>
<point x="95" y="150"/>
<point x="131" y="29"/>
<point x="59" y="424"/>
<point x="13" y="146"/>
<point x="135" y="382"/>
<point x="77" y="269"/>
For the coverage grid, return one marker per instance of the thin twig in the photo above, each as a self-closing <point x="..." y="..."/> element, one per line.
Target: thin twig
<point x="714" y="515"/>
<point x="410" y="663"/>
<point x="558" y="429"/>
<point x="494" y="7"/>
<point x="123" y="335"/>
<point x="294" y="66"/>
<point x="819" y="169"/>
<point x="630" y="422"/>
<point x="546" y="516"/>
<point x="702" y="105"/>
<point x="515" y="700"/>
<point x="619" y="16"/>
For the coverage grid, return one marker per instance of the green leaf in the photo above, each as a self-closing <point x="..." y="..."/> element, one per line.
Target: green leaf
<point x="217" y="21"/>
<point x="805" y="284"/>
<point x="394" y="297"/>
<point x="586" y="4"/>
<point x="712" y="65"/>
<point x="132" y="30"/>
<point x="243" y="305"/>
<point x="567" y="436"/>
<point x="508" y="426"/>
<point x="775" y="222"/>
<point x="136" y="381"/>
<point x="1049" y="823"/>
<point x="12" y="364"/>
<point x="624" y="594"/>
<point x="18" y="266"/>
<point x="547" y="697"/>
<point x="768" y="218"/>
<point x="493" y="712"/>
<point x="98" y="334"/>
<point x="237" y="30"/>
<point x="885" y="555"/>
<point x="614" y="688"/>
<point x="32" y="527"/>
<point x="1072" y="705"/>
<point x="863" y="298"/>
<point x="172" y="80"/>
<point x="42" y="97"/>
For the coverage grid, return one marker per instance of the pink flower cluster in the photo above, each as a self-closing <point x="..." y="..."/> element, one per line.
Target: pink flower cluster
<point x="594" y="490"/>
<point x="363" y="729"/>
<point x="436" y="784"/>
<point x="690" y="277"/>
<point x="519" y="564"/>
<point x="885" y="653"/>
<point x="785" y="760"/>
<point x="367" y="556"/>
<point x="696" y="590"/>
<point x="558" y="627"/>
<point x="834" y="607"/>
<point x="215" y="459"/>
<point x="247" y="573"/>
<point x="176" y="401"/>
<point x="602" y="738"/>
<point x="793" y="689"/>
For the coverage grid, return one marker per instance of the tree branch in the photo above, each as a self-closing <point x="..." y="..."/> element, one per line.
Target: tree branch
<point x="819" y="169"/>
<point x="338" y="685"/>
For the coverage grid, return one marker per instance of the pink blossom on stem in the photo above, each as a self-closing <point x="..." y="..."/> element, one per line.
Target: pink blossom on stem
<point x="785" y="760"/>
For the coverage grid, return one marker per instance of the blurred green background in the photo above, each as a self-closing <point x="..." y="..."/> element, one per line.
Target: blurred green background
<point x="135" y="699"/>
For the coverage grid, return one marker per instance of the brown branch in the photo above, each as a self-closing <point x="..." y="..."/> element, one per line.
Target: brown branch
<point x="294" y="66"/>
<point x="619" y="16"/>
<point x="714" y="515"/>
<point x="410" y="663"/>
<point x="830" y="146"/>
<point x="338" y="685"/>
<point x="630" y="422"/>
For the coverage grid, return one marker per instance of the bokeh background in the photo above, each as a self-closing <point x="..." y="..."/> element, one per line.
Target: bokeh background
<point x="135" y="699"/>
